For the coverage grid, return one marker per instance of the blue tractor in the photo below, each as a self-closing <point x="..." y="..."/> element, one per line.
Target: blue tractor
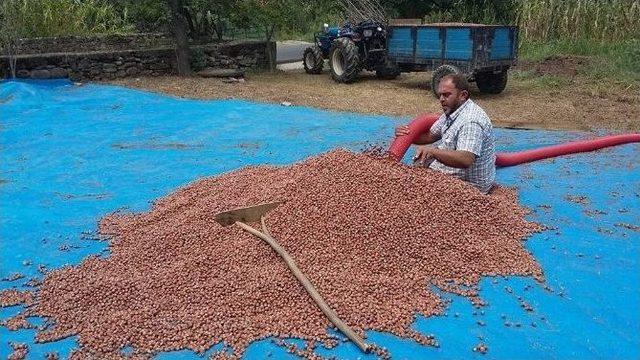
<point x="313" y="56"/>
<point x="350" y="49"/>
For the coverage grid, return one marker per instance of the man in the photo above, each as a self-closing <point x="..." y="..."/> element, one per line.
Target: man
<point x="466" y="147"/>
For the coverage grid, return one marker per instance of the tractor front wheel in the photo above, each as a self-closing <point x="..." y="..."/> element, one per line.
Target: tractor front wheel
<point x="344" y="59"/>
<point x="312" y="60"/>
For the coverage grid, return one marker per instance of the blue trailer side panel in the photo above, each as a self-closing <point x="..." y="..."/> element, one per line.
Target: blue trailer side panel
<point x="472" y="48"/>
<point x="458" y="44"/>
<point x="401" y="44"/>
<point x="428" y="43"/>
<point x="502" y="47"/>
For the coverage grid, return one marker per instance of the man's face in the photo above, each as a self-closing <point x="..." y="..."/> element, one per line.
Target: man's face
<point x="450" y="97"/>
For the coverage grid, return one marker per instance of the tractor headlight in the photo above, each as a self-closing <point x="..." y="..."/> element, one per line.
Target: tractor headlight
<point x="367" y="33"/>
<point x="379" y="28"/>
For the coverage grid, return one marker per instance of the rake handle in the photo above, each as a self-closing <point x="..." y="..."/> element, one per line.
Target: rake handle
<point x="333" y="317"/>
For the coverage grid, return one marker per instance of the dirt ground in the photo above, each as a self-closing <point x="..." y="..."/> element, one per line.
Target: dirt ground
<point x="567" y="102"/>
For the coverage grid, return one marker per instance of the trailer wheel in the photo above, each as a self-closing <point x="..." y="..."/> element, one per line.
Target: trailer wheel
<point x="390" y="71"/>
<point x="490" y="83"/>
<point x="344" y="59"/>
<point x="439" y="73"/>
<point x="312" y="60"/>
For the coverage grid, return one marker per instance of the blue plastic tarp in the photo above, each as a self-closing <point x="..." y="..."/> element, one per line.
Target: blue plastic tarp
<point x="71" y="154"/>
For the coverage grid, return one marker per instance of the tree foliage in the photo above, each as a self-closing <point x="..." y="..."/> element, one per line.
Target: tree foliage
<point x="209" y="18"/>
<point x="602" y="20"/>
<point x="269" y="16"/>
<point x="145" y="15"/>
<point x="9" y="34"/>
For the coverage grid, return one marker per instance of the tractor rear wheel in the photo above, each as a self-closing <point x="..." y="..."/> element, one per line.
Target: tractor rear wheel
<point x="390" y="71"/>
<point x="439" y="73"/>
<point x="490" y="83"/>
<point x="312" y="60"/>
<point x="344" y="59"/>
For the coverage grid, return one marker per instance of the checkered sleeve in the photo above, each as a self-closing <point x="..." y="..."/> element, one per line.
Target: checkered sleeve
<point x="436" y="128"/>
<point x="470" y="138"/>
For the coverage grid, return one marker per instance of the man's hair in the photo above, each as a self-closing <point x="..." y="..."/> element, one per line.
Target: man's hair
<point x="458" y="80"/>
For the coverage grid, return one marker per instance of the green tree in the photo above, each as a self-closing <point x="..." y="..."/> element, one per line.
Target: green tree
<point x="410" y="9"/>
<point x="10" y="26"/>
<point x="146" y="15"/>
<point x="479" y="11"/>
<point x="209" y="18"/>
<point x="269" y="16"/>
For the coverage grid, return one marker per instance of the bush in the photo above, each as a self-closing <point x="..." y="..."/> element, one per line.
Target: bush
<point x="198" y="59"/>
<point x="47" y="18"/>
<point x="145" y="15"/>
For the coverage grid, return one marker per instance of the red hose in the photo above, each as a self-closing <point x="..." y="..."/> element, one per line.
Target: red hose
<point x="424" y="122"/>
<point x="521" y="157"/>
<point x="417" y="126"/>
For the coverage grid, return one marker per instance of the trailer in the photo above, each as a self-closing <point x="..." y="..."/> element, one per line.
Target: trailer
<point x="483" y="52"/>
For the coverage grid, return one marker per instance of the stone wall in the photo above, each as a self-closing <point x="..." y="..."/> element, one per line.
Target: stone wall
<point x="107" y="58"/>
<point x="79" y="44"/>
<point x="94" y="66"/>
<point x="232" y="55"/>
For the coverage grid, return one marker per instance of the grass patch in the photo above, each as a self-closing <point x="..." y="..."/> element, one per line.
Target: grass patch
<point x="530" y="79"/>
<point x="617" y="62"/>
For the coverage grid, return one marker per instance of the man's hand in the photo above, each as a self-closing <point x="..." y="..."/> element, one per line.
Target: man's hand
<point x="426" y="137"/>
<point x="402" y="130"/>
<point x="423" y="153"/>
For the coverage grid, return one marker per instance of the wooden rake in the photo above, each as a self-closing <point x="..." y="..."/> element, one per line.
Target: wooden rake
<point x="241" y="216"/>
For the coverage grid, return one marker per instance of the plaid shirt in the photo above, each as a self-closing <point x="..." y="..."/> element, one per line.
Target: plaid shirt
<point x="469" y="129"/>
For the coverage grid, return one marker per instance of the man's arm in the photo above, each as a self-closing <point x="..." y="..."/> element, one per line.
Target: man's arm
<point x="460" y="159"/>
<point x="427" y="137"/>
<point x="468" y="148"/>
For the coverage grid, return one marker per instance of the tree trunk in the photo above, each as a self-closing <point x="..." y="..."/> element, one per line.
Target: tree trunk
<point x="12" y="49"/>
<point x="189" y="20"/>
<point x="218" y="28"/>
<point x="12" y="65"/>
<point x="183" y="54"/>
<point x="270" y="50"/>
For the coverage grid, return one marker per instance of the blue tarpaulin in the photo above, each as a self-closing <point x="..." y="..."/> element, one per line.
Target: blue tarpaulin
<point x="72" y="154"/>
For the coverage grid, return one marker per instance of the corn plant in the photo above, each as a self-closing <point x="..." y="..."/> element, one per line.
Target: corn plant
<point x="598" y="20"/>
